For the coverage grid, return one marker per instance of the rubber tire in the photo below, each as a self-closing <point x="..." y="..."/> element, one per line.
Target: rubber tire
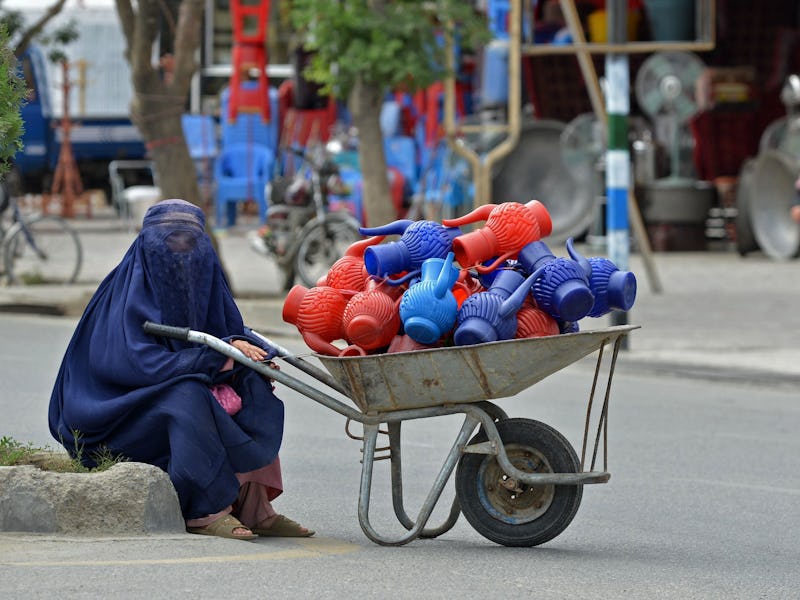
<point x="566" y="499"/>
<point x="46" y="229"/>
<point x="333" y="244"/>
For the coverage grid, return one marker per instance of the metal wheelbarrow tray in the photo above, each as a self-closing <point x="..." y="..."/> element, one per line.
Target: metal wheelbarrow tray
<point x="440" y="376"/>
<point x="518" y="481"/>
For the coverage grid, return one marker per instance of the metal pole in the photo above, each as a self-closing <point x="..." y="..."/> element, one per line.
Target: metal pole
<point x="482" y="165"/>
<point x="595" y="95"/>
<point x="618" y="170"/>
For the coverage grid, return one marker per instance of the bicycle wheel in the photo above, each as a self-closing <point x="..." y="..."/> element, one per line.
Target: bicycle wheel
<point x="42" y="250"/>
<point x="322" y="245"/>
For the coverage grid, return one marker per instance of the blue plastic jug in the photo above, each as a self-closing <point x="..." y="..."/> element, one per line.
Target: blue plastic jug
<point x="428" y="308"/>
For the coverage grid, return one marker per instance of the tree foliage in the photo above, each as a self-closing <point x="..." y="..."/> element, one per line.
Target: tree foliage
<point x="394" y="44"/>
<point x="12" y="93"/>
<point x="363" y="49"/>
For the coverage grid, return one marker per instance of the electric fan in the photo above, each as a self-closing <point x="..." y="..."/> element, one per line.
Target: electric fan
<point x="583" y="145"/>
<point x="665" y="90"/>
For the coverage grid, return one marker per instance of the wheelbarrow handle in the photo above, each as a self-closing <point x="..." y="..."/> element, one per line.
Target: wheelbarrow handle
<point x="170" y="331"/>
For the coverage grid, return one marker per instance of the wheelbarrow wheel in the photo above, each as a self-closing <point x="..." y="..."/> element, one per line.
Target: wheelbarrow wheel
<point x="513" y="513"/>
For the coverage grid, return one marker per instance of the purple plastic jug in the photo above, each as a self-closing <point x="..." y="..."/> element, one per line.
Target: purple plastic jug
<point x="612" y="288"/>
<point x="492" y="315"/>
<point x="419" y="240"/>
<point x="562" y="290"/>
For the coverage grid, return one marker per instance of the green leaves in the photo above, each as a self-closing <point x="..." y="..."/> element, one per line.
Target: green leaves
<point x="12" y="93"/>
<point x="387" y="43"/>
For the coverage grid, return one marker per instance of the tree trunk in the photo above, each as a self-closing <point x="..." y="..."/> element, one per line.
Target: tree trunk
<point x="161" y="91"/>
<point x="365" y="106"/>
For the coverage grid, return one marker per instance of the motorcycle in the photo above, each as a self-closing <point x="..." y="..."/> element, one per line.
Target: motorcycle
<point x="303" y="234"/>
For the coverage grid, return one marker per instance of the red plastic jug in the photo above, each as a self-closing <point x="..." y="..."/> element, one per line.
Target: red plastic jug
<point x="350" y="272"/>
<point x="509" y="227"/>
<point x="371" y="319"/>
<point x="317" y="313"/>
<point x="533" y="322"/>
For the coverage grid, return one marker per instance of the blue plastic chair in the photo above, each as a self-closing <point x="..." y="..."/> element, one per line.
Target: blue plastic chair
<point x="200" y="132"/>
<point x="401" y="154"/>
<point x="242" y="172"/>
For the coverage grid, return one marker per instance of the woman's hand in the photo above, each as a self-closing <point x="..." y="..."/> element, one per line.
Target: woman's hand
<point x="249" y="350"/>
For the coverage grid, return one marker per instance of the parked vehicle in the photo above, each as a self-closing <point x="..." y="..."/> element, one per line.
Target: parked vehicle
<point x="99" y="105"/>
<point x="303" y="235"/>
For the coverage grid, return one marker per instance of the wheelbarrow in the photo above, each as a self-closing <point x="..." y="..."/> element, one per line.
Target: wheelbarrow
<point x="518" y="481"/>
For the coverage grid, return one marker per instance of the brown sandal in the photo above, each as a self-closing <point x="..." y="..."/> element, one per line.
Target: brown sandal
<point x="284" y="527"/>
<point x="224" y="528"/>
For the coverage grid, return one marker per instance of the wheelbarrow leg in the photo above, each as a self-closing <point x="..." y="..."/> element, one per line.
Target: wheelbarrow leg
<point x="397" y="490"/>
<point x="370" y="441"/>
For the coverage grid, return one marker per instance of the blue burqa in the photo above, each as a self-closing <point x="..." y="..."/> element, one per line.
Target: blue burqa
<point x="148" y="398"/>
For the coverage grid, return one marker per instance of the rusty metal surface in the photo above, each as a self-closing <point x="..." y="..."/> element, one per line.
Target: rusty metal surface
<point x="427" y="378"/>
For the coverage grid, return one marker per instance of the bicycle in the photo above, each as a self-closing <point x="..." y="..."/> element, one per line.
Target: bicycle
<point x="36" y="248"/>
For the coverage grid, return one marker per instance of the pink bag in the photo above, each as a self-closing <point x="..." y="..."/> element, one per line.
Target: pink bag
<point x="227" y="398"/>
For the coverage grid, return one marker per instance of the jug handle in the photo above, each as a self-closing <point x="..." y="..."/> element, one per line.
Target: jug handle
<point x="584" y="263"/>
<point x="441" y="286"/>
<point x="479" y="214"/>
<point x="352" y="350"/>
<point x="483" y="269"/>
<point x="319" y="345"/>
<point x="514" y="301"/>
<point x="403" y="279"/>
<point x="394" y="228"/>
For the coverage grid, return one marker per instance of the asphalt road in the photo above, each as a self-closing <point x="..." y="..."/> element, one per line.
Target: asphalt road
<point x="702" y="503"/>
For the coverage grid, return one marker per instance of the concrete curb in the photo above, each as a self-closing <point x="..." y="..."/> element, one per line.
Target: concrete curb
<point x="129" y="498"/>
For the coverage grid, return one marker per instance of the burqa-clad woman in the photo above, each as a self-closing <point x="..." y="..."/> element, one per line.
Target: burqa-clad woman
<point x="214" y="426"/>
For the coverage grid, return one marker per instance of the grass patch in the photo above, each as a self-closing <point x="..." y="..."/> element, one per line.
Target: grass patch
<point x="14" y="453"/>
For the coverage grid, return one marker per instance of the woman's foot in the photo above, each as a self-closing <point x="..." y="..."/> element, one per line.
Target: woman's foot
<point x="226" y="527"/>
<point x="280" y="526"/>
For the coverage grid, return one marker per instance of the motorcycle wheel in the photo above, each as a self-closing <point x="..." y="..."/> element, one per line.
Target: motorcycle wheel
<point x="322" y="245"/>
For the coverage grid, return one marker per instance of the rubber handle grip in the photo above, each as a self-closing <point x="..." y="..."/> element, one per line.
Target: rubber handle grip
<point x="178" y="333"/>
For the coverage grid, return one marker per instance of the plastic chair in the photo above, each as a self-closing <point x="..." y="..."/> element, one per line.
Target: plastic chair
<point x="401" y="154"/>
<point x="249" y="128"/>
<point x="242" y="172"/>
<point x="200" y="132"/>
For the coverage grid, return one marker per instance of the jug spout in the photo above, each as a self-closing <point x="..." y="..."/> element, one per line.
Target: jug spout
<point x="394" y="228"/>
<point x="291" y="306"/>
<point x="446" y="279"/>
<point x="479" y="214"/>
<point x="584" y="263"/>
<point x="513" y="303"/>
<point x="621" y="290"/>
<point x="534" y="255"/>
